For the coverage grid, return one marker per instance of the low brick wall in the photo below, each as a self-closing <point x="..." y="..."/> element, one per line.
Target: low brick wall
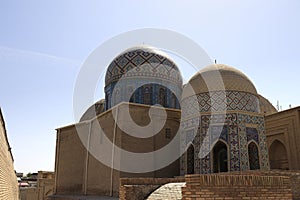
<point x="226" y="186"/>
<point x="293" y="174"/>
<point x="294" y="178"/>
<point x="274" y="184"/>
<point x="140" y="188"/>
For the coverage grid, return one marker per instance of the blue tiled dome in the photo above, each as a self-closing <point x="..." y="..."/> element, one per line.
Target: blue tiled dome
<point x="158" y="63"/>
<point x="148" y="75"/>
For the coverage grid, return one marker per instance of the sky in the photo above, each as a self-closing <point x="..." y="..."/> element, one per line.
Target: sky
<point x="44" y="43"/>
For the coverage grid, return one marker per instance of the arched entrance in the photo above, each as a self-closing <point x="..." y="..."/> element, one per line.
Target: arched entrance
<point x="278" y="156"/>
<point x="190" y="160"/>
<point x="220" y="157"/>
<point x="253" y="156"/>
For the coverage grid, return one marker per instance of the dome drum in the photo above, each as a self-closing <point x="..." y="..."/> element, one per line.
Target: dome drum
<point x="143" y="75"/>
<point x="232" y="90"/>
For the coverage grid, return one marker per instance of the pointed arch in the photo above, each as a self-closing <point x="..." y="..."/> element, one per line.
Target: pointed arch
<point x="220" y="157"/>
<point x="278" y="155"/>
<point x="253" y="154"/>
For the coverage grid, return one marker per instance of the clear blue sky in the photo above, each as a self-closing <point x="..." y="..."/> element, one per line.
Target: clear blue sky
<point x="43" y="43"/>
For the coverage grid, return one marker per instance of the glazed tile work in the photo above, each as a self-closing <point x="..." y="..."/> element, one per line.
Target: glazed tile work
<point x="227" y="125"/>
<point x="143" y="75"/>
<point x="240" y="139"/>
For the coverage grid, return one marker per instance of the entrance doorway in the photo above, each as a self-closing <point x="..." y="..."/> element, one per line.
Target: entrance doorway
<point x="220" y="158"/>
<point x="278" y="156"/>
<point x="253" y="156"/>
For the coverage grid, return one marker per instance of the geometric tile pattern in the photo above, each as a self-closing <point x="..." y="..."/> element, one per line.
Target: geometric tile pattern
<point x="244" y="161"/>
<point x="148" y="77"/>
<point x="252" y="134"/>
<point x="264" y="155"/>
<point x="234" y="145"/>
<point x="219" y="132"/>
<point x="157" y="66"/>
<point x="233" y="100"/>
<point x="234" y="133"/>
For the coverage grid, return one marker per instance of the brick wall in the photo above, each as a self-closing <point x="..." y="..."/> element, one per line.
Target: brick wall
<point x="8" y="179"/>
<point x="29" y="193"/>
<point x="258" y="184"/>
<point x="78" y="172"/>
<point x="236" y="187"/>
<point x="140" y="188"/>
<point x="293" y="174"/>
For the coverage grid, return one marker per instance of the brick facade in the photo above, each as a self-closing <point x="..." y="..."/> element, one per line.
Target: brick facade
<point x="236" y="187"/>
<point x="79" y="171"/>
<point x="275" y="184"/>
<point x="283" y="137"/>
<point x="8" y="179"/>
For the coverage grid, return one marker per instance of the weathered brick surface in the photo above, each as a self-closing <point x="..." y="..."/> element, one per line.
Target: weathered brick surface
<point x="274" y="184"/>
<point x="293" y="174"/>
<point x="236" y="186"/>
<point x="136" y="192"/>
<point x="8" y="180"/>
<point x="80" y="172"/>
<point x="284" y="127"/>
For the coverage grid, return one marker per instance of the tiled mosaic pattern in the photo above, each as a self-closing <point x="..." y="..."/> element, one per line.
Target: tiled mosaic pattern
<point x="219" y="101"/>
<point x="147" y="78"/>
<point x="157" y="66"/>
<point x="234" y="132"/>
